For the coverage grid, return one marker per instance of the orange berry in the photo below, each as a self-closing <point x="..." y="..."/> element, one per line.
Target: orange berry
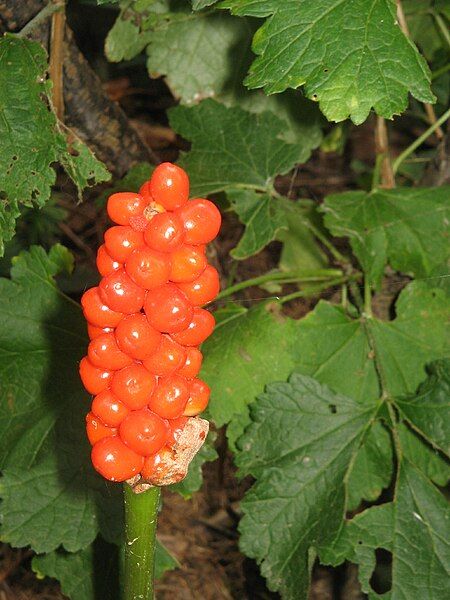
<point x="144" y="432"/>
<point x="136" y="337"/>
<point x="164" y="232"/>
<point x="115" y="461"/>
<point x="95" y="380"/>
<point x="124" y="205"/>
<point x="94" y="331"/>
<point x="103" y="352"/>
<point x="192" y="364"/>
<point x="121" y="240"/>
<point x="203" y="289"/>
<point x="96" y="430"/>
<point x="97" y="312"/>
<point x="188" y="263"/>
<point x="133" y="385"/>
<point x="201" y="219"/>
<point x="109" y="409"/>
<point x="170" y="397"/>
<point x="198" y="398"/>
<point x="121" y="293"/>
<point x="167" y="308"/>
<point x="106" y="264"/>
<point x="198" y="330"/>
<point x="166" y="359"/>
<point x="169" y="186"/>
<point x="148" y="268"/>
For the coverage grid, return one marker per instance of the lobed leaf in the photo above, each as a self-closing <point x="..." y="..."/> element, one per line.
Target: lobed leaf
<point x="350" y="56"/>
<point x="390" y="226"/>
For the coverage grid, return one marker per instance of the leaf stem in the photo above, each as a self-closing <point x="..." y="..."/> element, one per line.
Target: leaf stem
<point x="141" y="511"/>
<point x="383" y="168"/>
<point x="367" y="299"/>
<point x="311" y="291"/>
<point x="282" y="277"/>
<point x="42" y="15"/>
<point x="419" y="141"/>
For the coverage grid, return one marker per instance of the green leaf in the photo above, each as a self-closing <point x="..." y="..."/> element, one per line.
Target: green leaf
<point x="202" y="55"/>
<point x="239" y="360"/>
<point x="93" y="572"/>
<point x="125" y="40"/>
<point x="414" y="528"/>
<point x="199" y="4"/>
<point x="194" y="479"/>
<point x="432" y="463"/>
<point x="232" y="148"/>
<point x="263" y="216"/>
<point x="372" y="469"/>
<point x="50" y="492"/>
<point x="390" y="226"/>
<point x="31" y="140"/>
<point x="298" y="500"/>
<point x="422" y="25"/>
<point x="429" y="411"/>
<point x="351" y="56"/>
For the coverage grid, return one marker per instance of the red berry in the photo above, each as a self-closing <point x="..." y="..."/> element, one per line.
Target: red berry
<point x="144" y="432"/>
<point x="97" y="312"/>
<point x="144" y="190"/>
<point x="103" y="352"/>
<point x="170" y="397"/>
<point x="154" y="465"/>
<point x="94" y="380"/>
<point x="136" y="337"/>
<point x="115" y="461"/>
<point x="193" y="363"/>
<point x="169" y="186"/>
<point x="106" y="264"/>
<point x="121" y="293"/>
<point x="94" y="331"/>
<point x="109" y="409"/>
<point x="167" y="309"/>
<point x="96" y="430"/>
<point x="201" y="219"/>
<point x="164" y="232"/>
<point x="198" y="398"/>
<point x="121" y="240"/>
<point x="198" y="330"/>
<point x="133" y="386"/>
<point x="176" y="427"/>
<point x="148" y="268"/>
<point x="203" y="289"/>
<point x="188" y="263"/>
<point x="124" y="205"/>
<point x="167" y="358"/>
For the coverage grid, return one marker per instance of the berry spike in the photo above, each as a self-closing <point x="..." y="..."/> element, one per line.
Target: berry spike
<point x="145" y="323"/>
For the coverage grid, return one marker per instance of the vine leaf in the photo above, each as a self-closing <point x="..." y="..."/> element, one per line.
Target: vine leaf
<point x="93" y="572"/>
<point x="389" y="226"/>
<point x="31" y="140"/>
<point x="232" y="148"/>
<point x="44" y="454"/>
<point x="415" y="528"/>
<point x="298" y="500"/>
<point x="351" y="56"/>
<point x="429" y="410"/>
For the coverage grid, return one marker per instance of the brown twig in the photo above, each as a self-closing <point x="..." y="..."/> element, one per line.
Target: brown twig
<point x="57" y="61"/>
<point x="428" y="108"/>
<point x="387" y="178"/>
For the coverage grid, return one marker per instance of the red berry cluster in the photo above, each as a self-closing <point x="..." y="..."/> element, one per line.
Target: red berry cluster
<point x="145" y="322"/>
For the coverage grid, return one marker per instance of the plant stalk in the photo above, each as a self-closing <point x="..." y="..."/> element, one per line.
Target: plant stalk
<point x="141" y="512"/>
<point x="419" y="141"/>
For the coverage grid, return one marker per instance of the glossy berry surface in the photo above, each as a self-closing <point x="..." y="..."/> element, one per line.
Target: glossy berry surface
<point x="188" y="263"/>
<point x="133" y="386"/>
<point x="94" y="331"/>
<point x="96" y="430"/>
<point x="169" y="186"/>
<point x="170" y="397"/>
<point x="98" y="313"/>
<point x="144" y="432"/>
<point x="103" y="352"/>
<point x="124" y="205"/>
<point x="148" y="268"/>
<point x="136" y="337"/>
<point x="120" y="293"/>
<point x="95" y="380"/>
<point x="114" y="460"/>
<point x="165" y="232"/>
<point x="192" y="364"/>
<point x="121" y="240"/>
<point x="200" y="327"/>
<point x="201" y="221"/>
<point x="167" y="309"/>
<point x="167" y="358"/>
<point x="198" y="399"/>
<point x="203" y="289"/>
<point x="105" y="264"/>
<point x="109" y="409"/>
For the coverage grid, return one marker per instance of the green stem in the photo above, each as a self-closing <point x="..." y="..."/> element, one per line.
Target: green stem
<point x="442" y="26"/>
<point x="282" y="277"/>
<point x="367" y="299"/>
<point x="141" y="511"/>
<point x="42" y="15"/>
<point x="440" y="71"/>
<point x="312" y="291"/>
<point x="410" y="149"/>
